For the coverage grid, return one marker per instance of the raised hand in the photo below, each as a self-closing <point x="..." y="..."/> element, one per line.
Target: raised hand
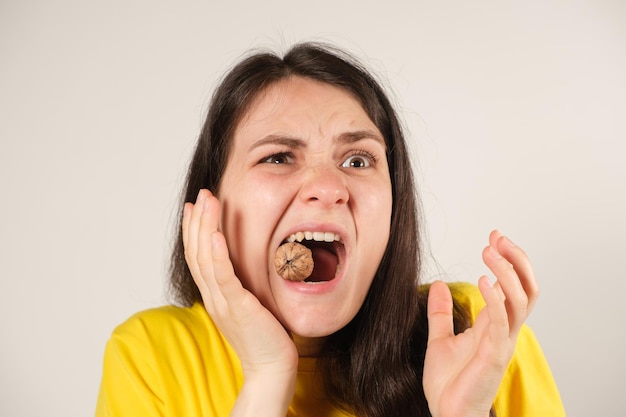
<point x="268" y="356"/>
<point x="462" y="373"/>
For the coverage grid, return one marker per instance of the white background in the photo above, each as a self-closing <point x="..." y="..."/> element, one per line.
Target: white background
<point x="516" y="110"/>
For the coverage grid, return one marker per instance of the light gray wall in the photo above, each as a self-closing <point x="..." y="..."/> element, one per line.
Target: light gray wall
<point x="516" y="110"/>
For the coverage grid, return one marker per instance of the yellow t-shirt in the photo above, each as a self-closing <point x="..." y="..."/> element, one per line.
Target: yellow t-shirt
<point x="173" y="361"/>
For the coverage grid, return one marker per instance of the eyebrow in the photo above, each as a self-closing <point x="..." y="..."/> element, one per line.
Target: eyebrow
<point x="351" y="137"/>
<point x="296" y="143"/>
<point x="287" y="141"/>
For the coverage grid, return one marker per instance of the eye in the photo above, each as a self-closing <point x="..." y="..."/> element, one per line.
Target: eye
<point x="358" y="161"/>
<point x="278" y="159"/>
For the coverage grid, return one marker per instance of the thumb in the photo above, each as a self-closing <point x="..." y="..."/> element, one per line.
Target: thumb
<point x="440" y="321"/>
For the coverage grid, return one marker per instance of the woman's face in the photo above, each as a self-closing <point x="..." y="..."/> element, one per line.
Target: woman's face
<point x="307" y="160"/>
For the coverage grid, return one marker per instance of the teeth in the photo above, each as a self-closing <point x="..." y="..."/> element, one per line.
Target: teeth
<point x="316" y="236"/>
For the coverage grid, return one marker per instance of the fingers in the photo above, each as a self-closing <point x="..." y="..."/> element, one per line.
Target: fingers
<point x="494" y="322"/>
<point x="515" y="278"/>
<point x="440" y="320"/>
<point x="229" y="285"/>
<point x="200" y="221"/>
<point x="522" y="266"/>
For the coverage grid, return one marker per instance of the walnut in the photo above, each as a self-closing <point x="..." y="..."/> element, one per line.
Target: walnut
<point x="293" y="261"/>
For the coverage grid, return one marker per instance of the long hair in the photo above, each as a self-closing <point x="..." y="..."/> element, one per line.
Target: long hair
<point x="373" y="366"/>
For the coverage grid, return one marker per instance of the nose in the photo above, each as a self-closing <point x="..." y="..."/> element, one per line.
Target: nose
<point x="325" y="186"/>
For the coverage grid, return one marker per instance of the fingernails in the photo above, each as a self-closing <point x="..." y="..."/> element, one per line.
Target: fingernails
<point x="200" y="196"/>
<point x="487" y="281"/>
<point x="203" y="199"/>
<point x="508" y="241"/>
<point x="494" y="252"/>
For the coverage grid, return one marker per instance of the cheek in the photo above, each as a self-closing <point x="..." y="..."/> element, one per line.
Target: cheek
<point x="373" y="222"/>
<point x="376" y="205"/>
<point x="378" y="220"/>
<point x="249" y="217"/>
<point x="249" y="205"/>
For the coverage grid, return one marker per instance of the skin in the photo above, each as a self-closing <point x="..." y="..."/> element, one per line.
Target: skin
<point x="295" y="164"/>
<point x="462" y="373"/>
<point x="292" y="166"/>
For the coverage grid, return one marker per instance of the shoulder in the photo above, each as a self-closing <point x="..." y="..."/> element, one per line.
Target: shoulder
<point x="169" y="341"/>
<point x="167" y="331"/>
<point x="169" y="315"/>
<point x="164" y="320"/>
<point x="160" y="361"/>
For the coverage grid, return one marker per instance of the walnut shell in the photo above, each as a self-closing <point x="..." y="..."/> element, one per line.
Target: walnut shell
<point x="293" y="261"/>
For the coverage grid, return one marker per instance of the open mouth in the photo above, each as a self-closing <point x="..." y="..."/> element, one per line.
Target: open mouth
<point x="328" y="253"/>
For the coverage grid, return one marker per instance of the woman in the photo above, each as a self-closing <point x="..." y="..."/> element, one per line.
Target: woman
<point x="308" y="148"/>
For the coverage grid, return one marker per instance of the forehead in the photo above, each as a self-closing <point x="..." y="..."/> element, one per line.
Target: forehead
<point x="297" y="103"/>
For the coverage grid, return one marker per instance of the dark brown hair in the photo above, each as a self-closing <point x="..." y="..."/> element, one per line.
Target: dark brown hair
<point x="373" y="366"/>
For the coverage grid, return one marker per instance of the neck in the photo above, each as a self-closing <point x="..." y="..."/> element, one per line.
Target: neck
<point x="308" y="346"/>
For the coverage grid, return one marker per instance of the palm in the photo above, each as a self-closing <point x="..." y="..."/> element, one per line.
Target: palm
<point x="261" y="342"/>
<point x="462" y="373"/>
<point x="455" y="369"/>
<point x="259" y="339"/>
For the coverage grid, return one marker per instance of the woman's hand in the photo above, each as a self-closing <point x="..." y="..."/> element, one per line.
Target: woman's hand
<point x="462" y="373"/>
<point x="268" y="356"/>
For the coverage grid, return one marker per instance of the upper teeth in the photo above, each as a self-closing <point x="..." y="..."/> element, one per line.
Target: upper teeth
<point x="317" y="236"/>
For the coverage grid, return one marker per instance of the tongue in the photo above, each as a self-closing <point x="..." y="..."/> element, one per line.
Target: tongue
<point x="325" y="265"/>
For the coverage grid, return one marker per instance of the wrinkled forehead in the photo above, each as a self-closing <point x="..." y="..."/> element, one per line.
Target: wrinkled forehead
<point x="287" y="100"/>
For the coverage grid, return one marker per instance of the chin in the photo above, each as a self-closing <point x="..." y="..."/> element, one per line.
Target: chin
<point x="315" y="326"/>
